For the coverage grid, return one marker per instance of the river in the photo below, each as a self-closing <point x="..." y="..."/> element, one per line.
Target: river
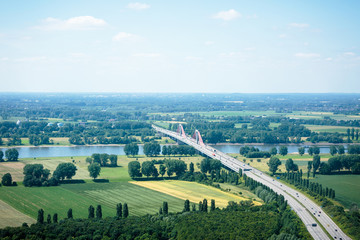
<point x="73" y="151"/>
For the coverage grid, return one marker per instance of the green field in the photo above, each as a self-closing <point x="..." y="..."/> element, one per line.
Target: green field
<point x="347" y="187"/>
<point x="330" y="129"/>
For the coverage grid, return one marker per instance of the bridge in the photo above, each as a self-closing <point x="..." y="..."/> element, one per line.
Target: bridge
<point x="310" y="213"/>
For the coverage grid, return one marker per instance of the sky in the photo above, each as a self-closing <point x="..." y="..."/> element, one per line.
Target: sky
<point x="226" y="46"/>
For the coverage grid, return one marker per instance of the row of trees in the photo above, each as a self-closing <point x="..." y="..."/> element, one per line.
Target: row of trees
<point x="313" y="188"/>
<point x="103" y="159"/>
<point x="148" y="168"/>
<point x="11" y="155"/>
<point x="337" y="163"/>
<point x="122" y="211"/>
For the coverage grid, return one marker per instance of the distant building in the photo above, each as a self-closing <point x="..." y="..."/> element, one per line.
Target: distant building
<point x="50" y="124"/>
<point x="18" y="122"/>
<point x="60" y="124"/>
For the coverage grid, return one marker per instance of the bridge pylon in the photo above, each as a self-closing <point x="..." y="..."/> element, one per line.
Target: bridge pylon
<point x="198" y="138"/>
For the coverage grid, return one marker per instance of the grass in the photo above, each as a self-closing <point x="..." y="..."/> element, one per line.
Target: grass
<point x="51" y="199"/>
<point x="12" y="217"/>
<point x="327" y="128"/>
<point x="140" y="200"/>
<point x="347" y="187"/>
<point x="193" y="191"/>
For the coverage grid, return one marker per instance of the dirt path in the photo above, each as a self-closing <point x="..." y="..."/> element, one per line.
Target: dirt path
<point x="10" y="217"/>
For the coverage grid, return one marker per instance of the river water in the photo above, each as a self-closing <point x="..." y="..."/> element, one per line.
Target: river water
<point x="31" y="152"/>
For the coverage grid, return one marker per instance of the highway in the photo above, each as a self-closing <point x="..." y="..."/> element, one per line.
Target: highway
<point x="305" y="208"/>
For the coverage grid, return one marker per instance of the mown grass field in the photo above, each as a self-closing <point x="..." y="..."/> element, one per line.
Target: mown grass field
<point x="140" y="200"/>
<point x="29" y="200"/>
<point x="347" y="187"/>
<point x="9" y="216"/>
<point x="193" y="191"/>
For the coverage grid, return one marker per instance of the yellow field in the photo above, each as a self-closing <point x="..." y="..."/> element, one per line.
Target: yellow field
<point x="10" y="217"/>
<point x="193" y="191"/>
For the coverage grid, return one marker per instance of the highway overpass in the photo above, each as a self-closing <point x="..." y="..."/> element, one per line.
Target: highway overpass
<point x="305" y="208"/>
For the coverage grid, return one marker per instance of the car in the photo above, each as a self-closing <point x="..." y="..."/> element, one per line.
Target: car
<point x="319" y="211"/>
<point x="319" y="215"/>
<point x="335" y="230"/>
<point x="314" y="225"/>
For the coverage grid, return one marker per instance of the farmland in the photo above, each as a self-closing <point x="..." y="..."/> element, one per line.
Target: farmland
<point x="143" y="197"/>
<point x="195" y="192"/>
<point x="347" y="187"/>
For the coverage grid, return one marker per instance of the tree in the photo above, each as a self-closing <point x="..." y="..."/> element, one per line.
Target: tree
<point x="273" y="164"/>
<point x="40" y="217"/>
<point x="96" y="158"/>
<point x="335" y="164"/>
<point x="98" y="212"/>
<point x="316" y="164"/>
<point x="324" y="168"/>
<point x="283" y="150"/>
<point x="165" y="208"/>
<point x="289" y="165"/>
<point x="164" y="150"/>
<point x="70" y="214"/>
<point x="12" y="154"/>
<point x="113" y="160"/>
<point x="212" y="207"/>
<point x="309" y="167"/>
<point x="214" y="137"/>
<point x="333" y="150"/>
<point x="1" y="156"/>
<point x="126" y="211"/>
<point x="65" y="170"/>
<point x="191" y="167"/>
<point x="94" y="170"/>
<point x="119" y="210"/>
<point x="186" y="206"/>
<point x="162" y="169"/>
<point x="134" y="169"/>
<point x="36" y="175"/>
<point x="55" y="218"/>
<point x="273" y="151"/>
<point x="148" y="168"/>
<point x="205" y="205"/>
<point x="104" y="157"/>
<point x="48" y="220"/>
<point x="151" y="149"/>
<point x="6" y="179"/>
<point x="301" y="151"/>
<point x="341" y="149"/>
<point x="91" y="211"/>
<point x="131" y="149"/>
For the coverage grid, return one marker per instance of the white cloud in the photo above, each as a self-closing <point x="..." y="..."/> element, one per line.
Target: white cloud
<point x="250" y="49"/>
<point x="208" y="43"/>
<point x="3" y="59"/>
<point x="146" y="55"/>
<point x="282" y="35"/>
<point x="328" y="59"/>
<point x="74" y="23"/>
<point x="298" y="25"/>
<point x="227" y="15"/>
<point x="307" y="55"/>
<point x="122" y="36"/>
<point x="138" y="6"/>
<point x="30" y="59"/>
<point x="349" y="54"/>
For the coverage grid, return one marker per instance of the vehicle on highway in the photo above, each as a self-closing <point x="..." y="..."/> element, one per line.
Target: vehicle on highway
<point x="314" y="225"/>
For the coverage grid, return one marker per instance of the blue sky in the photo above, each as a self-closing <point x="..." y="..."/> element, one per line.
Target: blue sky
<point x="183" y="46"/>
